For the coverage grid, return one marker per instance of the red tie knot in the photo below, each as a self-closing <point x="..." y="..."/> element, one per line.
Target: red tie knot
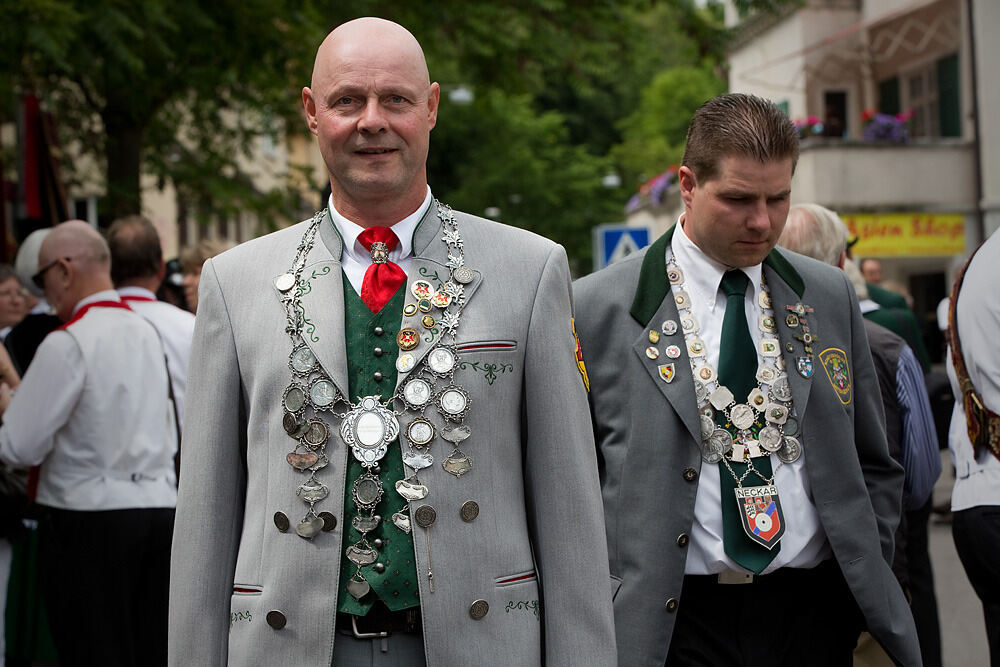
<point x="374" y="235"/>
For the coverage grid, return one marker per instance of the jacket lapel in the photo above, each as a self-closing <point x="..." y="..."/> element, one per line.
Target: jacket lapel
<point x="323" y="304"/>
<point x="652" y="305"/>
<point x="430" y="258"/>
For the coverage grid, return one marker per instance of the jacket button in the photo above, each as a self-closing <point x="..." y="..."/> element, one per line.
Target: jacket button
<point x="469" y="511"/>
<point x="329" y="521"/>
<point x="276" y="619"/>
<point x="690" y="474"/>
<point x="378" y="351"/>
<point x="479" y="609"/>
<point x="377" y="375"/>
<point x="671" y="605"/>
<point x="379" y="567"/>
<point x="379" y="331"/>
<point x="682" y="540"/>
<point x="425" y="516"/>
<point x="281" y="521"/>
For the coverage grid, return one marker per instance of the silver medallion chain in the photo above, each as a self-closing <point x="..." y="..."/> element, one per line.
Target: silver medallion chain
<point x="369" y="425"/>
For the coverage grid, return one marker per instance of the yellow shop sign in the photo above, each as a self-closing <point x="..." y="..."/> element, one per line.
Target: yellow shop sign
<point x="906" y="234"/>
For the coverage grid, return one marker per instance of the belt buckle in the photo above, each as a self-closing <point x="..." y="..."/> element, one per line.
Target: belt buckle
<point x="731" y="577"/>
<point x="366" y="635"/>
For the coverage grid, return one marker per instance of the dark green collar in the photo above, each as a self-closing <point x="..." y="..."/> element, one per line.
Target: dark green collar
<point x="653" y="286"/>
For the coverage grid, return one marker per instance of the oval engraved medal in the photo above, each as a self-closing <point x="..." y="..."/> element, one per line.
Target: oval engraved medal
<point x="368" y="429"/>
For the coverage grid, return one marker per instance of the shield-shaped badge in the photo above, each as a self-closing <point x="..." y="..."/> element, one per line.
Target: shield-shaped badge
<point x="666" y="372"/>
<point x="804" y="366"/>
<point x="760" y="513"/>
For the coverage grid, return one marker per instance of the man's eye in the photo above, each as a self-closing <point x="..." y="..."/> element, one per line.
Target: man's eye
<point x="397" y="99"/>
<point x="343" y="101"/>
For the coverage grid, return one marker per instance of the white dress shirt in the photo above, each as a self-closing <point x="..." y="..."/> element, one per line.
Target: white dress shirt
<point x="977" y="480"/>
<point x="804" y="543"/>
<point x="356" y="258"/>
<point x="176" y="328"/>
<point x="93" y="412"/>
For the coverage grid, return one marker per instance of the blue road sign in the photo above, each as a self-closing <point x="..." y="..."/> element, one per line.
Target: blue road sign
<point x="614" y="241"/>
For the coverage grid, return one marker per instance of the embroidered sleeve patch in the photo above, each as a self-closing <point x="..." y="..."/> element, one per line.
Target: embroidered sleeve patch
<point x="834" y="361"/>
<point x="579" y="357"/>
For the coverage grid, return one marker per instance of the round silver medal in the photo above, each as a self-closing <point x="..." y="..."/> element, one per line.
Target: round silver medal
<point x="790" y="450"/>
<point x="294" y="398"/>
<point x="770" y="438"/>
<point x="441" y="361"/>
<point x="453" y="402"/>
<point x="322" y="393"/>
<point x="781" y="390"/>
<point x="416" y="393"/>
<point x="669" y="327"/>
<point x="723" y="440"/>
<point x="707" y="426"/>
<point x="741" y="415"/>
<point x="284" y="282"/>
<point x="302" y="360"/>
<point x="711" y="450"/>
<point x="420" y="432"/>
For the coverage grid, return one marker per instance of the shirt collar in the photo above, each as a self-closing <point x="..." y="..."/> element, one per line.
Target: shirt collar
<point x="702" y="274"/>
<point x="134" y="290"/>
<point x="349" y="232"/>
<point x="103" y="295"/>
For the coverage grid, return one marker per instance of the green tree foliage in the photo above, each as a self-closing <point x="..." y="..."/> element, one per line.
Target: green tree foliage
<point x="187" y="90"/>
<point x="521" y="162"/>
<point x="178" y="88"/>
<point x="655" y="132"/>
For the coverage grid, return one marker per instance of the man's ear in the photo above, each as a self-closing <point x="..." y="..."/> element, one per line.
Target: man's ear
<point x="688" y="182"/>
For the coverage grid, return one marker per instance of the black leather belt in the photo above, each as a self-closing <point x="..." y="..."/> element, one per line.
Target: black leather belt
<point x="380" y="622"/>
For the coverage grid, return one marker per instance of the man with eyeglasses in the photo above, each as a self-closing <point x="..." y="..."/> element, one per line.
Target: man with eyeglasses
<point x="93" y="413"/>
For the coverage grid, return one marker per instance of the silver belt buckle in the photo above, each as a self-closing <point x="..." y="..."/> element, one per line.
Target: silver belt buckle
<point x="731" y="577"/>
<point x="365" y="635"/>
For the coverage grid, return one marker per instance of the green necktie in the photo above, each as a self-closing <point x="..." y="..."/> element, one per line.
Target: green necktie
<point x="738" y="372"/>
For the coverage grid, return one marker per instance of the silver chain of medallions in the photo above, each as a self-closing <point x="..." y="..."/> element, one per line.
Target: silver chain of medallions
<point x="370" y="425"/>
<point x="766" y="420"/>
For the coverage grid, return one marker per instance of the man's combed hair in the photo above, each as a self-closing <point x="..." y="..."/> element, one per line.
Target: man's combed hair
<point x="736" y="124"/>
<point x="135" y="249"/>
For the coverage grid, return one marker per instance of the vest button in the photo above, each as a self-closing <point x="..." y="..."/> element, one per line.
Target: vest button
<point x="377" y="543"/>
<point x="671" y="605"/>
<point x="377" y="352"/>
<point x="379" y="331"/>
<point x="682" y="540"/>
<point x="281" y="521"/>
<point x="379" y="567"/>
<point x="377" y="375"/>
<point x="690" y="474"/>
<point x="276" y="619"/>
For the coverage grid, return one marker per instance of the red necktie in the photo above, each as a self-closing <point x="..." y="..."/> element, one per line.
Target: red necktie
<point x="383" y="277"/>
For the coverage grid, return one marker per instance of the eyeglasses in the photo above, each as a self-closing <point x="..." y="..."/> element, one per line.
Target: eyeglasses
<point x="39" y="278"/>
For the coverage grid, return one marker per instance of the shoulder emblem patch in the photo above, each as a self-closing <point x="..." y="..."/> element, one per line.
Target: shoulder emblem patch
<point x="579" y="357"/>
<point x="834" y="361"/>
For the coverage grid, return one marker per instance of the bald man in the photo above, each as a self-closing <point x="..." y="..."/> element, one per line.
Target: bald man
<point x="94" y="414"/>
<point x="388" y="457"/>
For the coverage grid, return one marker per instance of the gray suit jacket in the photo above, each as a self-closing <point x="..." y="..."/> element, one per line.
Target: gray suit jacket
<point x="536" y="553"/>
<point x="647" y="431"/>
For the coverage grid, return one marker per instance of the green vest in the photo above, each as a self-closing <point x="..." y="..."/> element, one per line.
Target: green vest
<point x="396" y="585"/>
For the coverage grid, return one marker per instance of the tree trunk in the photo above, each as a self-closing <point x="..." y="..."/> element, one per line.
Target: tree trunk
<point x="123" y="150"/>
